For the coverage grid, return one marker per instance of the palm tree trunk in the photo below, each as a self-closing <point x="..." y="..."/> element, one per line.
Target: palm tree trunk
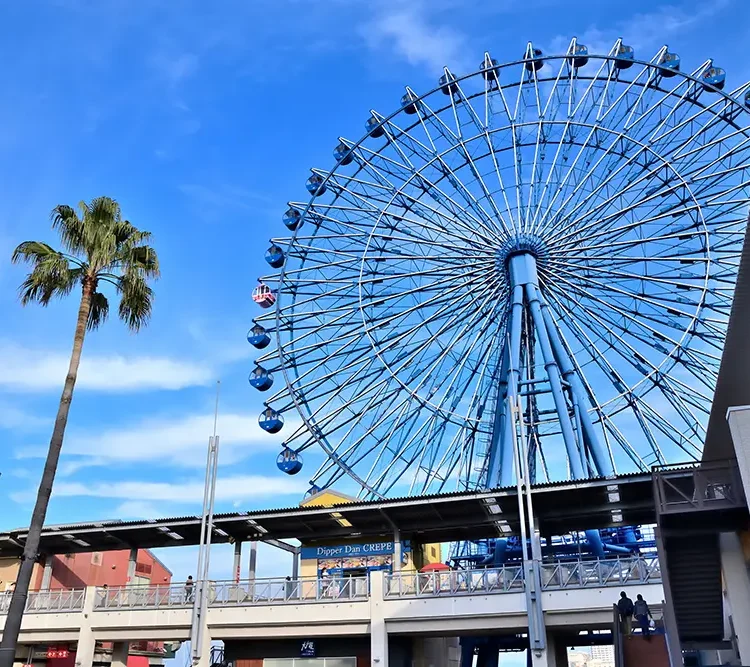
<point x="30" y="552"/>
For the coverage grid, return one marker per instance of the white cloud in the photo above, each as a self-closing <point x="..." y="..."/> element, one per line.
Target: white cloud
<point x="189" y="491"/>
<point x="411" y="36"/>
<point x="17" y="419"/>
<point x="178" y="441"/>
<point x="648" y="30"/>
<point x="138" y="509"/>
<point x="27" y="369"/>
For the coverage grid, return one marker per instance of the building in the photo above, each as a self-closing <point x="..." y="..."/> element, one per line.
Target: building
<point x="98" y="568"/>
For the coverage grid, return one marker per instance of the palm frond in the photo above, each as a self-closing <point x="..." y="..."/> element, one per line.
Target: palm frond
<point x="136" y="299"/>
<point x="143" y="259"/>
<point x="32" y="251"/>
<point x="70" y="227"/>
<point x="51" y="277"/>
<point x="99" y="311"/>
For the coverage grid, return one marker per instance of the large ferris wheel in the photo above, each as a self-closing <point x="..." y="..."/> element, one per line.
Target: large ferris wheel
<point x="559" y="233"/>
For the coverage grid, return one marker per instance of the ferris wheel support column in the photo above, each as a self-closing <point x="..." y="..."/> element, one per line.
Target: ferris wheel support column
<point x="502" y="442"/>
<point x="555" y="380"/>
<point x="602" y="462"/>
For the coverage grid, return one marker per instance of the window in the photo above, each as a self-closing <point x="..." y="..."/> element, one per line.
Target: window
<point x="96" y="558"/>
<point x="310" y="662"/>
<point x="433" y="552"/>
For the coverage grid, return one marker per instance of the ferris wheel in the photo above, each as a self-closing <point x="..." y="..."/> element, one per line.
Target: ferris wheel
<point x="558" y="234"/>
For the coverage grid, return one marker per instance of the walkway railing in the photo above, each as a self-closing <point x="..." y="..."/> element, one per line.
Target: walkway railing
<point x="595" y="574"/>
<point x="221" y="593"/>
<point x="44" y="601"/>
<point x="509" y="579"/>
<point x="454" y="582"/>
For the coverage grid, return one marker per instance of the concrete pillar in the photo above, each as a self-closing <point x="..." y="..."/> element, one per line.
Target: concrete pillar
<point x="86" y="644"/>
<point x="120" y="651"/>
<point x="132" y="559"/>
<point x="237" y="561"/>
<point x="737" y="590"/>
<point x="378" y="630"/>
<point x="739" y="426"/>
<point x="551" y="654"/>
<point x="47" y="574"/>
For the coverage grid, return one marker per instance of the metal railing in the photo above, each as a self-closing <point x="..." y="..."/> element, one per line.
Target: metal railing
<point x="48" y="601"/>
<point x="702" y="486"/>
<point x="222" y="593"/>
<point x="598" y="573"/>
<point x="454" y="582"/>
<point x="287" y="590"/>
<point x="143" y="597"/>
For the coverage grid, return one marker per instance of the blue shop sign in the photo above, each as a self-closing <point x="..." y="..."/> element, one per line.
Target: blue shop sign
<point x="307" y="649"/>
<point x="346" y="550"/>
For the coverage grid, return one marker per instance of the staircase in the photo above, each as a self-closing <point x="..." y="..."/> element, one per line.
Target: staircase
<point x="695" y="582"/>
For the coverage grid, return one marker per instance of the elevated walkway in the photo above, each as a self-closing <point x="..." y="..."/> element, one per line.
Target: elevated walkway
<point x="575" y="595"/>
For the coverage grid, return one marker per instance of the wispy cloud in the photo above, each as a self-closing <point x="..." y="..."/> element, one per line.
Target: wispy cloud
<point x="644" y="30"/>
<point x="15" y="418"/>
<point x="187" y="491"/>
<point x="38" y="370"/>
<point x="406" y="30"/>
<point x="177" y="441"/>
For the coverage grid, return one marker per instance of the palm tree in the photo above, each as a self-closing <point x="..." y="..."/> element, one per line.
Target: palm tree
<point x="99" y="248"/>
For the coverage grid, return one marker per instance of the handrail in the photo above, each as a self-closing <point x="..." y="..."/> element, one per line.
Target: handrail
<point x="454" y="582"/>
<point x="58" y="599"/>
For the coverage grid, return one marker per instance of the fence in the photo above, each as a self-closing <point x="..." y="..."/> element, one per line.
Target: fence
<point x="46" y="601"/>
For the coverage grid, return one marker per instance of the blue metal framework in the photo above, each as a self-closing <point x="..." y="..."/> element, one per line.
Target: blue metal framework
<point x="560" y="229"/>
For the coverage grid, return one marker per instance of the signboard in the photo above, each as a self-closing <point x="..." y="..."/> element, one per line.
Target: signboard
<point x="307" y="650"/>
<point x="352" y="550"/>
<point x="57" y="653"/>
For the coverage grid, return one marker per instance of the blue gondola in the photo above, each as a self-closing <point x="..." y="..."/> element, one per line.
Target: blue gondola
<point x="536" y="61"/>
<point x="670" y="64"/>
<point x="261" y="379"/>
<point x="315" y="185"/>
<point x="289" y="461"/>
<point x="580" y="55"/>
<point x="714" y="77"/>
<point x="292" y="218"/>
<point x="258" y="337"/>
<point x="747" y="98"/>
<point x="448" y="84"/>
<point x="489" y="67"/>
<point x="343" y="154"/>
<point x="409" y="102"/>
<point x="275" y="256"/>
<point x="374" y="128"/>
<point x="625" y="56"/>
<point x="270" y="421"/>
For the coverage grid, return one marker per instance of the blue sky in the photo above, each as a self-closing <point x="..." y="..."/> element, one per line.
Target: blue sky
<point x="203" y="120"/>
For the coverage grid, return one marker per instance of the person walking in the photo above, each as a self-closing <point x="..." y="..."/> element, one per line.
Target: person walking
<point x="625" y="609"/>
<point x="189" y="589"/>
<point x="642" y="614"/>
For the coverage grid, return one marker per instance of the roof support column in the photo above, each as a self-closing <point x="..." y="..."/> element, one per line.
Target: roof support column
<point x="397" y="558"/>
<point x="237" y="569"/>
<point x="132" y="560"/>
<point x="47" y="573"/>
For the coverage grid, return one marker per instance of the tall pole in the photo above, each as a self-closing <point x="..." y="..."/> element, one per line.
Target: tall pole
<point x="200" y="599"/>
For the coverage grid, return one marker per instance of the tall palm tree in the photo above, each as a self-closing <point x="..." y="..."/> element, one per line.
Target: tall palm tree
<point x="99" y="248"/>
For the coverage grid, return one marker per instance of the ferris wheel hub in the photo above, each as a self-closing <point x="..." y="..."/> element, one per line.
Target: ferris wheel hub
<point x="521" y="244"/>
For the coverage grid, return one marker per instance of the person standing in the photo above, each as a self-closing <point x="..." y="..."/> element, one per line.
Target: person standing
<point x="189" y="589"/>
<point x="642" y="614"/>
<point x="625" y="609"/>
